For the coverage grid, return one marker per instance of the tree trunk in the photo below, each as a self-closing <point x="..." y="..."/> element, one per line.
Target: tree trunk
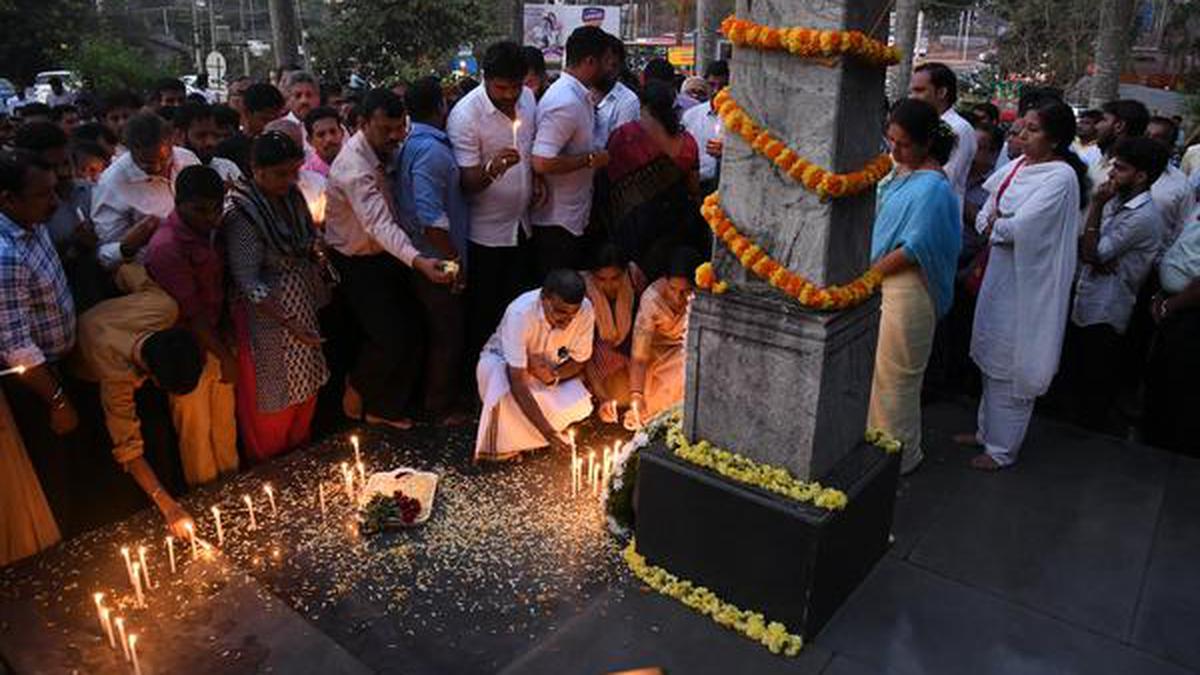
<point x="1112" y="45"/>
<point x="285" y="36"/>
<point x="517" y="25"/>
<point x="709" y="14"/>
<point x="906" y="42"/>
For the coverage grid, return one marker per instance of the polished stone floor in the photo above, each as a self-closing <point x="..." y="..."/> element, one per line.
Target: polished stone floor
<point x="1085" y="558"/>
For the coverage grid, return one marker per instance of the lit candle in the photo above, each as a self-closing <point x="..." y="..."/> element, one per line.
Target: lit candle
<point x="137" y="667"/>
<point x="250" y="509"/>
<point x="271" y="498"/>
<point x="137" y="584"/>
<point x="99" y="599"/>
<point x="128" y="563"/>
<point x="321" y="496"/>
<point x="120" y="622"/>
<point x="105" y="613"/>
<point x="348" y="479"/>
<point x="516" y="127"/>
<point x="574" y="475"/>
<point x="317" y="208"/>
<point x="171" y="551"/>
<point x="362" y="474"/>
<point x="145" y="567"/>
<point x="591" y="465"/>
<point x="191" y="532"/>
<point x="571" y="437"/>
<point x="357" y="456"/>
<point x="220" y="530"/>
<point x="17" y="370"/>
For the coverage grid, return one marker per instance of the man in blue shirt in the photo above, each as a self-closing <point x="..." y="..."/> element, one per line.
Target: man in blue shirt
<point x="433" y="210"/>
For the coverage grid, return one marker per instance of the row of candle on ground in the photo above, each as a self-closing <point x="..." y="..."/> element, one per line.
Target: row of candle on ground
<point x="114" y="629"/>
<point x="598" y="474"/>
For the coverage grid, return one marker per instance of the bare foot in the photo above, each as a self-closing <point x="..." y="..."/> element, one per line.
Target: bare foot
<point x="984" y="462"/>
<point x="970" y="440"/>
<point x="352" y="403"/>
<point x="403" y="424"/>
<point x="456" y="419"/>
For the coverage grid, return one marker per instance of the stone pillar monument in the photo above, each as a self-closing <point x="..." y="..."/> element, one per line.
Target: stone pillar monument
<point x="768" y="379"/>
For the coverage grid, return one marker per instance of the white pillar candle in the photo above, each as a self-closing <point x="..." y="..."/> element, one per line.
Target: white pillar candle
<point x="128" y="563"/>
<point x="362" y="475"/>
<point x="171" y="551"/>
<point x="145" y="567"/>
<point x="321" y="497"/>
<point x="591" y="465"/>
<point x="137" y="584"/>
<point x="120" y="623"/>
<point x="137" y="666"/>
<point x="250" y="509"/>
<point x="106" y="620"/>
<point x="271" y="499"/>
<point x="348" y="479"/>
<point x="220" y="530"/>
<point x="354" y="442"/>
<point x="191" y="533"/>
<point x="99" y="600"/>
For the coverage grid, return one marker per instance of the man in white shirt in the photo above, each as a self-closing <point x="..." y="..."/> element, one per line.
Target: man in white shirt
<point x="137" y="190"/>
<point x="704" y="125"/>
<point x="303" y="93"/>
<point x="372" y="253"/>
<point x="1085" y="144"/>
<point x="491" y="130"/>
<point x="197" y="127"/>
<point x="530" y="371"/>
<point x="1117" y="251"/>
<point x="937" y="85"/>
<point x="618" y="104"/>
<point x="1172" y="192"/>
<point x="565" y="155"/>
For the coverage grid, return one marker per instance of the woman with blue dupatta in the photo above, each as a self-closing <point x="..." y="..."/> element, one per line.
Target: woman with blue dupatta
<point x="915" y="247"/>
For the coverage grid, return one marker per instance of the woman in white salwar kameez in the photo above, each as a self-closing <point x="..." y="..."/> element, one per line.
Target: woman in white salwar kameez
<point x="530" y="371"/>
<point x="1032" y="222"/>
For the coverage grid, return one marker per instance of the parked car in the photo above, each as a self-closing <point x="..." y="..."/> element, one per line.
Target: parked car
<point x="41" y="84"/>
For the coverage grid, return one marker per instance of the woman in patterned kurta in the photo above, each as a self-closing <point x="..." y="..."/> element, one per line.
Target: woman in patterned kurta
<point x="277" y="292"/>
<point x="657" y="365"/>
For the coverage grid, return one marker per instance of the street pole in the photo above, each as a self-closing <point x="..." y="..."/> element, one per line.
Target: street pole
<point x="196" y="48"/>
<point x="284" y="36"/>
<point x="517" y="24"/>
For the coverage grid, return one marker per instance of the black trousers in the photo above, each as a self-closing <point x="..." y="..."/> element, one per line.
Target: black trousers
<point x="495" y="277"/>
<point x="1093" y="354"/>
<point x="378" y="291"/>
<point x="444" y="367"/>
<point x="554" y="248"/>
<point x="1172" y="414"/>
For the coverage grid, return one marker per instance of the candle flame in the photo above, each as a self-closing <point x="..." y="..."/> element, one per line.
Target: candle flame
<point x="99" y="598"/>
<point x="267" y="488"/>
<point x="317" y="208"/>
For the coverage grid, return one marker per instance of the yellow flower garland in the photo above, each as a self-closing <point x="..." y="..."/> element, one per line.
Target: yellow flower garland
<point x="810" y="43"/>
<point x="884" y="441"/>
<point x="820" y="181"/>
<point x="773" y="635"/>
<point x="757" y="261"/>
<point x="706" y="279"/>
<point x="745" y="470"/>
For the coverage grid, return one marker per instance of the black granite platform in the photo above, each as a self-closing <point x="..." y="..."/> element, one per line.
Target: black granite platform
<point x="1082" y="559"/>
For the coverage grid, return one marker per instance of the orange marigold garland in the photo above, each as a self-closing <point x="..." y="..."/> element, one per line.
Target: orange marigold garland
<point x="762" y="265"/>
<point x="706" y="279"/>
<point x="810" y="43"/>
<point x="814" y="178"/>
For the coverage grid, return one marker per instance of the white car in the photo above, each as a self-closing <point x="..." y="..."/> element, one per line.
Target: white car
<point x="41" y="84"/>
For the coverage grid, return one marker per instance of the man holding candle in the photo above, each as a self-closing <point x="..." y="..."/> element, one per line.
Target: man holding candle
<point x="37" y="328"/>
<point x="122" y="343"/>
<point x="704" y="125"/>
<point x="492" y="130"/>
<point x="618" y="103"/>
<point x="529" y="371"/>
<point x="185" y="257"/>
<point x="372" y="253"/>
<point x="433" y="210"/>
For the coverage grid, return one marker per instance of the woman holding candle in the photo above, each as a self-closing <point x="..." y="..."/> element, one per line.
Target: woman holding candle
<point x="613" y="286"/>
<point x="656" y="369"/>
<point x="278" y="290"/>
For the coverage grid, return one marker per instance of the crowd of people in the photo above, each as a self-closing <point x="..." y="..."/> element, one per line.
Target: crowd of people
<point x="199" y="286"/>
<point x="209" y="285"/>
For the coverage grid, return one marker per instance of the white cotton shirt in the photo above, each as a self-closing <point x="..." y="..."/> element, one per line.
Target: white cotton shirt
<point x="1175" y="199"/>
<point x="524" y="332"/>
<point x="478" y="131"/>
<point x="702" y="123"/>
<point x="226" y="168"/>
<point x="959" y="165"/>
<point x="1021" y="314"/>
<point x="565" y="124"/>
<point x="125" y="194"/>
<point x="1129" y="235"/>
<point x="620" y="106"/>
<point x="1181" y="263"/>
<point x="359" y="214"/>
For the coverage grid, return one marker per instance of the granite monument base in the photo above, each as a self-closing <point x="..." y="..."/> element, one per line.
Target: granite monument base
<point x="793" y="562"/>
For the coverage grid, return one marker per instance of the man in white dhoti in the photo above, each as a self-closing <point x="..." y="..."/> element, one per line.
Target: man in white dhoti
<point x="1032" y="222"/>
<point x="529" y="371"/>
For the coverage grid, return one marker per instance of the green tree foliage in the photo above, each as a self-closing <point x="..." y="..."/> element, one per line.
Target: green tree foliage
<point x="38" y="35"/>
<point x="1047" y="40"/>
<point x="386" y="39"/>
<point x="111" y="63"/>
